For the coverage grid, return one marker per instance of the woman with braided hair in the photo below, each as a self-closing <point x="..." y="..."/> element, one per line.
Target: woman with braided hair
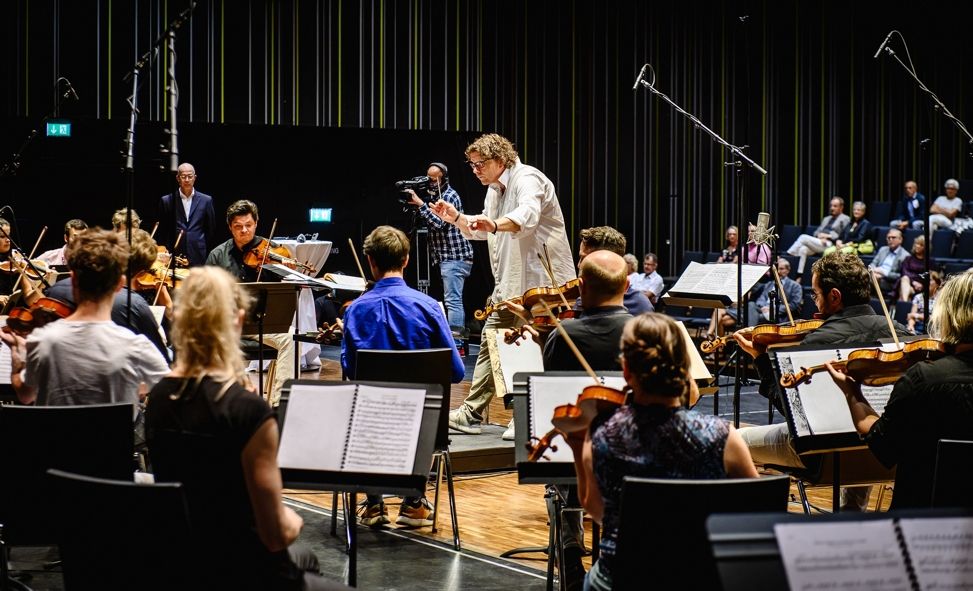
<point x="654" y="435"/>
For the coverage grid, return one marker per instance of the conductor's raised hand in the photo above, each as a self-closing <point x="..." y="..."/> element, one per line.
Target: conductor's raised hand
<point x="482" y="222"/>
<point x="444" y="210"/>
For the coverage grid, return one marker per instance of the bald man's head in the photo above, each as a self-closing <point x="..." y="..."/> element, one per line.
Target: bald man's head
<point x="604" y="279"/>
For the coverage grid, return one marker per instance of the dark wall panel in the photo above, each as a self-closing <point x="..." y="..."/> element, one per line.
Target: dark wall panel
<point x="795" y="81"/>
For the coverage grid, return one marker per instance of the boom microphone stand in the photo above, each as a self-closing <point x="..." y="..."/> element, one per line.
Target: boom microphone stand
<point x="737" y="164"/>
<point x="129" y="168"/>
<point x="937" y="106"/>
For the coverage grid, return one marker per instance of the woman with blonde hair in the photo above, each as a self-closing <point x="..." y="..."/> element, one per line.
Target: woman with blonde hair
<point x="654" y="435"/>
<point x="932" y="401"/>
<point x="208" y="430"/>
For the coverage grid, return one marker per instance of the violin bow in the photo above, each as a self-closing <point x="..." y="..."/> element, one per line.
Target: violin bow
<point x="263" y="261"/>
<point x="165" y="272"/>
<point x="885" y="309"/>
<point x="783" y="296"/>
<point x="154" y="228"/>
<point x="36" y="244"/>
<point x="571" y="345"/>
<point x="546" y="263"/>
<point x="357" y="260"/>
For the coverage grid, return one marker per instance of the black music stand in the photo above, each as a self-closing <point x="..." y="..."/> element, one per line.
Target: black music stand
<point x="274" y="306"/>
<point x="413" y="484"/>
<point x="745" y="548"/>
<point x="550" y="474"/>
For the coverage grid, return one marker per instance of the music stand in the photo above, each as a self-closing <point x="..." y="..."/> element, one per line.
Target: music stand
<point x="413" y="484"/>
<point x="273" y="311"/>
<point x="550" y="474"/>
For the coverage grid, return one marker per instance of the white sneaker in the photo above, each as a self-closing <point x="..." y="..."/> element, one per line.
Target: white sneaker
<point x="460" y="420"/>
<point x="508" y="435"/>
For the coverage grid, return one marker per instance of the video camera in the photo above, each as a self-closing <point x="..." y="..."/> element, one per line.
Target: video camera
<point x="422" y="185"/>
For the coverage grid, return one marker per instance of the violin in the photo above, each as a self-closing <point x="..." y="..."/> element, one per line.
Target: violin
<point x="534" y="296"/>
<point x="159" y="275"/>
<point x="570" y="419"/>
<point x="766" y="334"/>
<point x="44" y="311"/>
<point x="267" y="251"/>
<point x="874" y="367"/>
<point x="164" y="256"/>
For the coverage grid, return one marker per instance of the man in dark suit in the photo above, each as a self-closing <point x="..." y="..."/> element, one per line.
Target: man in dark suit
<point x="191" y="211"/>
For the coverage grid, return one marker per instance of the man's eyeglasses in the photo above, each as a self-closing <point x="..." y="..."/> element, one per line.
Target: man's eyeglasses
<point x="476" y="165"/>
<point x="187" y="176"/>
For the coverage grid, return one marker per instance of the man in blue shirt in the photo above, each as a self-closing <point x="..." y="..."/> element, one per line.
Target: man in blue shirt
<point x="450" y="250"/>
<point x="394" y="316"/>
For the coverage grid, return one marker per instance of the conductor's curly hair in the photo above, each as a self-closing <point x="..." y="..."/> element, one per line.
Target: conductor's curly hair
<point x="655" y="354"/>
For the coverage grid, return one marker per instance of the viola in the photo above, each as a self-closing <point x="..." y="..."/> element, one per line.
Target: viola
<point x="534" y="296"/>
<point x="570" y="419"/>
<point x="266" y="251"/>
<point x="874" y="367"/>
<point x="765" y="335"/>
<point x="44" y="311"/>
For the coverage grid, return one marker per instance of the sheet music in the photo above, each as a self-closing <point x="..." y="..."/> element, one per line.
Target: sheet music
<point x="941" y="550"/>
<point x="384" y="430"/>
<point x="346" y="282"/>
<point x="861" y="555"/>
<point x="697" y="367"/>
<point x="546" y="393"/>
<point x="5" y="361"/>
<point x="525" y="357"/>
<point x="717" y="279"/>
<point x="823" y="402"/>
<point x="316" y="427"/>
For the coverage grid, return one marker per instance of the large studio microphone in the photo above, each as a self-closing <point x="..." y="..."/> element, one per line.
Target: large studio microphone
<point x="641" y="76"/>
<point x="884" y="43"/>
<point x="763" y="232"/>
<point x="70" y="93"/>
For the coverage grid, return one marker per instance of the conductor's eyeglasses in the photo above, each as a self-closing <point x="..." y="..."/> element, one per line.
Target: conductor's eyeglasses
<point x="477" y="165"/>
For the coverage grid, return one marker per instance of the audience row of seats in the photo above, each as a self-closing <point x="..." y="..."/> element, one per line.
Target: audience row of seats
<point x="946" y="245"/>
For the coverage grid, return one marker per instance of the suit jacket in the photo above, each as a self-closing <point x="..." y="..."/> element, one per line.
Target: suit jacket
<point x="834" y="226"/>
<point x="857" y="233"/>
<point x="199" y="228"/>
<point x="900" y="255"/>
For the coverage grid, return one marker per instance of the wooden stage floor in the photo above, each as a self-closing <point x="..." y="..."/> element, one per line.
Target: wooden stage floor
<point x="495" y="514"/>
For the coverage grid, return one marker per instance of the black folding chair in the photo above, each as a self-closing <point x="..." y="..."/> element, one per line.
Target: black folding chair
<point x="954" y="474"/>
<point x="662" y="534"/>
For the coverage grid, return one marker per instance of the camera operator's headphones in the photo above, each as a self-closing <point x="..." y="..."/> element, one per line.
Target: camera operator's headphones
<point x="445" y="180"/>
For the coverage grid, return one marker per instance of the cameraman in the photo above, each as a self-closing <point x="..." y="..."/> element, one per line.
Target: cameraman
<point x="450" y="250"/>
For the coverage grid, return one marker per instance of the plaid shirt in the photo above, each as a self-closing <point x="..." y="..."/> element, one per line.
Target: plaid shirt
<point x="448" y="243"/>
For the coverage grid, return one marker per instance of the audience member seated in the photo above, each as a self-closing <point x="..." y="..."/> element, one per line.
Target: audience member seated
<point x="932" y="401"/>
<point x="393" y="316"/>
<point x="760" y="308"/>
<point x="631" y="265"/>
<point x="918" y="311"/>
<point x="887" y="263"/>
<point x="830" y="229"/>
<point x="208" y="430"/>
<point x="913" y="267"/>
<point x="649" y="281"/>
<point x="856" y="237"/>
<point x="910" y="211"/>
<point x="841" y="289"/>
<point x="86" y="358"/>
<point x="653" y="435"/>
<point x="732" y="242"/>
<point x="946" y="208"/>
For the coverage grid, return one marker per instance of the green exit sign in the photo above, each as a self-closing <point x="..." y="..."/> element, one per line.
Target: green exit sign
<point x="58" y="129"/>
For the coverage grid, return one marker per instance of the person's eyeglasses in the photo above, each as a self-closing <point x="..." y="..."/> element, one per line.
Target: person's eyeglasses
<point x="477" y="165"/>
<point x="187" y="176"/>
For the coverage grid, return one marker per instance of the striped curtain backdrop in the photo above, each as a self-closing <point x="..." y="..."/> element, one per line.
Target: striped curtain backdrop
<point x="794" y="81"/>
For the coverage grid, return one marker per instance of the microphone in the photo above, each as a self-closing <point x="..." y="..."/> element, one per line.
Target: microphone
<point x="763" y="232"/>
<point x="884" y="43"/>
<point x="641" y="76"/>
<point x="70" y="91"/>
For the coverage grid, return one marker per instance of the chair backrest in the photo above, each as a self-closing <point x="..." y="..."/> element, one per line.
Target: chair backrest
<point x="880" y="212"/>
<point x="902" y="310"/>
<point x="690" y="256"/>
<point x="788" y="236"/>
<point x="420" y="366"/>
<point x="908" y="237"/>
<point x="964" y="246"/>
<point x="662" y="532"/>
<point x="942" y="244"/>
<point x="954" y="474"/>
<point x="95" y="439"/>
<point x="881" y="232"/>
<point x="121" y="535"/>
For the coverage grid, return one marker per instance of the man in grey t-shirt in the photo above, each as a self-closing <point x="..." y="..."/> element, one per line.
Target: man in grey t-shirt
<point x="111" y="364"/>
